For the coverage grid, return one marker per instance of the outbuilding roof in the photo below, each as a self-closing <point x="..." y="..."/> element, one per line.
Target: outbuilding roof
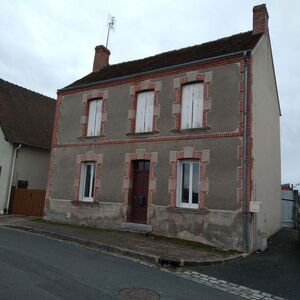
<point x="228" y="45"/>
<point x="26" y="117"/>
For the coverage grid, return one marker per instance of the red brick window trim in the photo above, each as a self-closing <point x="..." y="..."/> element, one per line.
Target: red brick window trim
<point x="140" y="154"/>
<point x="189" y="153"/>
<point x="87" y="98"/>
<point x="190" y="78"/>
<point x="80" y="160"/>
<point x="134" y="90"/>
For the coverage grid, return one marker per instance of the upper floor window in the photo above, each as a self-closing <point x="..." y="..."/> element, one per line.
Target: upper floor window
<point x="188" y="183"/>
<point x="94" y="118"/>
<point x="144" y="112"/>
<point x="192" y="106"/>
<point x="87" y="179"/>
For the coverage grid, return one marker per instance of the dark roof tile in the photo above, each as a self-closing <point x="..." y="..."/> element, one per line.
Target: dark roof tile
<point x="26" y="117"/>
<point x="227" y="45"/>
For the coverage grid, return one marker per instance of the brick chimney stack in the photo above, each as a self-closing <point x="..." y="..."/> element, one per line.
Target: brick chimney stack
<point x="260" y="19"/>
<point x="101" y="58"/>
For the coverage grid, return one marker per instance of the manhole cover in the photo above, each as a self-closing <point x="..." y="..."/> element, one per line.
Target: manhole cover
<point x="138" y="294"/>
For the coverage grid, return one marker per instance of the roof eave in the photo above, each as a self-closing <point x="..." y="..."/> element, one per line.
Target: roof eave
<point x="228" y="55"/>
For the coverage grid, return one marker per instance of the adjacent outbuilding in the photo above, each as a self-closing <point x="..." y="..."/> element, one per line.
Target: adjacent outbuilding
<point x="26" y="122"/>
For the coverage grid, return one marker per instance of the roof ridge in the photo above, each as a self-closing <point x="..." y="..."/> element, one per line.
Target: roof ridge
<point x="179" y="49"/>
<point x="28" y="90"/>
<point x="236" y="43"/>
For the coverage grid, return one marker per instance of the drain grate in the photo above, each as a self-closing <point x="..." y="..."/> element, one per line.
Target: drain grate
<point x="138" y="294"/>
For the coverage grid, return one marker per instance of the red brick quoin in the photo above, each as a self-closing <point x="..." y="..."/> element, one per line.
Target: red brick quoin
<point x="97" y="94"/>
<point x="189" y="153"/>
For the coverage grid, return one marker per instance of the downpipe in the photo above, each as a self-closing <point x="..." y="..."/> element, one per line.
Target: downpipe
<point x="245" y="157"/>
<point x="11" y="177"/>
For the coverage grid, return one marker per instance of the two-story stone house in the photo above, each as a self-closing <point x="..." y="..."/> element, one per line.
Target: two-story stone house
<point x="179" y="144"/>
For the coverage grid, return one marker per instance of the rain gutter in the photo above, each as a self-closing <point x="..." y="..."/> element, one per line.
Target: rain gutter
<point x="245" y="156"/>
<point x="152" y="71"/>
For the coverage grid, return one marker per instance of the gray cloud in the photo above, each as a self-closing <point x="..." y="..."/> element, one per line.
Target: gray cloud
<point x="46" y="45"/>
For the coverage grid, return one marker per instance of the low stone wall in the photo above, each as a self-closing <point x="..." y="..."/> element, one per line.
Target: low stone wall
<point x="217" y="228"/>
<point x="212" y="227"/>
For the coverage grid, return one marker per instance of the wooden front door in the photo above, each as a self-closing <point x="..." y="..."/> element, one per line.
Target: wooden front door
<point x="140" y="191"/>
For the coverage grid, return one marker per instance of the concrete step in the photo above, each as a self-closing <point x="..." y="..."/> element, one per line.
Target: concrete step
<point x="136" y="227"/>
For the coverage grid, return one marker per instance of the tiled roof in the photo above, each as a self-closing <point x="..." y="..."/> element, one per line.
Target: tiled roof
<point x="224" y="46"/>
<point x="26" y="117"/>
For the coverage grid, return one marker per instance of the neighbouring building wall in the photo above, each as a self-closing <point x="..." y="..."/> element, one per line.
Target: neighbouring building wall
<point x="6" y="154"/>
<point x="266" y="140"/>
<point x="32" y="166"/>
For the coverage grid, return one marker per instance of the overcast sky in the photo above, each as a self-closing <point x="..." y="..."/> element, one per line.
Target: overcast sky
<point x="46" y="45"/>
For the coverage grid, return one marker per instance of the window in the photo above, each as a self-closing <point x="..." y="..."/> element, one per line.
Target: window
<point x="144" y="112"/>
<point x="87" y="180"/>
<point x="188" y="183"/>
<point x="192" y="106"/>
<point x="94" y="119"/>
<point x="22" y="184"/>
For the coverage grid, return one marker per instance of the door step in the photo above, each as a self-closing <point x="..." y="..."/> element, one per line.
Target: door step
<point x="136" y="227"/>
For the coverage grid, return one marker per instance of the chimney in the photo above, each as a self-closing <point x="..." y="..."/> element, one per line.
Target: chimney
<point x="101" y="58"/>
<point x="260" y="19"/>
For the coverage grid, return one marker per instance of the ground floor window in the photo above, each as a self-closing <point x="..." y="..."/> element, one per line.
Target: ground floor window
<point x="188" y="183"/>
<point x="87" y="180"/>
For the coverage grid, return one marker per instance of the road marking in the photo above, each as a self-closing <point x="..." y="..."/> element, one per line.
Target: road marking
<point x="223" y="285"/>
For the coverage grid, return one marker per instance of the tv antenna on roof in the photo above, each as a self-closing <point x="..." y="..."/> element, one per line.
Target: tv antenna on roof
<point x="111" y="24"/>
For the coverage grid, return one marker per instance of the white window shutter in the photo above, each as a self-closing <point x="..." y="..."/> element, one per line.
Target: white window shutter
<point x="94" y="120"/>
<point x="197" y="101"/>
<point x="98" y="116"/>
<point x="186" y="111"/>
<point x="149" y="111"/>
<point x="82" y="180"/>
<point x="91" y="119"/>
<point x="140" y="113"/>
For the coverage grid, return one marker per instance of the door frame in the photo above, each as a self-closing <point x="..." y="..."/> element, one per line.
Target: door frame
<point x="133" y="162"/>
<point x="139" y="154"/>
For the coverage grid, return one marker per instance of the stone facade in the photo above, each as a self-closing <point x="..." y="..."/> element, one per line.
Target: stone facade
<point x="218" y="147"/>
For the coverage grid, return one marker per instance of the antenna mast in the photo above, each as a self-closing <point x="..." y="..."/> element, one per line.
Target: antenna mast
<point x="111" y="23"/>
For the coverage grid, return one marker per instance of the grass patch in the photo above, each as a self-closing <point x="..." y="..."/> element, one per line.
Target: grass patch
<point x="195" y="245"/>
<point x="77" y="226"/>
<point x="179" y="242"/>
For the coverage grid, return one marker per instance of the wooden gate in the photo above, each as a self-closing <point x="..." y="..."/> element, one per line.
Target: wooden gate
<point x="287" y="209"/>
<point x="27" y="202"/>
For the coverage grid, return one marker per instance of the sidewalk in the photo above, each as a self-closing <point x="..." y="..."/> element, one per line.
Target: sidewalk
<point x="165" y="251"/>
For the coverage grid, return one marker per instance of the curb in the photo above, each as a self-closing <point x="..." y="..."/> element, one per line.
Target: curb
<point x="163" y="261"/>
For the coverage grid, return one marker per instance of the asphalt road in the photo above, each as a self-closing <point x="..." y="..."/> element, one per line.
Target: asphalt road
<point x="275" y="271"/>
<point x="34" y="267"/>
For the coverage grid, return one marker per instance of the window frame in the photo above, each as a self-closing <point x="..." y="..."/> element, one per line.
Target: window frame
<point x="179" y="193"/>
<point x="83" y="172"/>
<point x="189" y="124"/>
<point x="146" y="128"/>
<point x="95" y="129"/>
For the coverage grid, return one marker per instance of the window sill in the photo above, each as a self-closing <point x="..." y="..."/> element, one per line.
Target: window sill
<point x="184" y="210"/>
<point x="85" y="203"/>
<point x="191" y="130"/>
<point x="91" y="138"/>
<point x="142" y="134"/>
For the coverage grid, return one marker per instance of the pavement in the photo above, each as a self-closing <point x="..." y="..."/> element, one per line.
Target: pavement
<point x="272" y="274"/>
<point x="275" y="271"/>
<point x="35" y="267"/>
<point x="159" y="250"/>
